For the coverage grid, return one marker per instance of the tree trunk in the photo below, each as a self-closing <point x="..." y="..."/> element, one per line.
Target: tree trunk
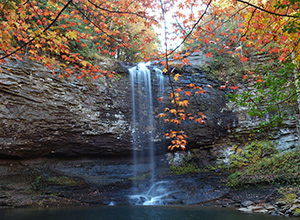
<point x="297" y="85"/>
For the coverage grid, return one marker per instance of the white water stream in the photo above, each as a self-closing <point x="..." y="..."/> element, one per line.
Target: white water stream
<point x="143" y="130"/>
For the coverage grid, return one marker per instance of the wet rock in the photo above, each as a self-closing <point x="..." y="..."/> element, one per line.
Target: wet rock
<point x="263" y="211"/>
<point x="280" y="203"/>
<point x="247" y="203"/>
<point x="3" y="202"/>
<point x="283" y="208"/>
<point x="175" y="202"/>
<point x="277" y="208"/>
<point x="3" y="196"/>
<point x="268" y="206"/>
<point x="43" y="116"/>
<point x="256" y="207"/>
<point x="296" y="215"/>
<point x="245" y="210"/>
<point x="292" y="209"/>
<point x="178" y="159"/>
<point x="295" y="206"/>
<point x="212" y="104"/>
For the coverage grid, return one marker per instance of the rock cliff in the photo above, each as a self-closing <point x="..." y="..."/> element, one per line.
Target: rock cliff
<point x="41" y="115"/>
<point x="44" y="116"/>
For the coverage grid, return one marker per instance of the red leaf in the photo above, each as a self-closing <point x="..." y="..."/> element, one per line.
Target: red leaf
<point x="244" y="59"/>
<point x="209" y="54"/>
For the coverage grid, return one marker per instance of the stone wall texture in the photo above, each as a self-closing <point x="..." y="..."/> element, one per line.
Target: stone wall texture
<point x="44" y="116"/>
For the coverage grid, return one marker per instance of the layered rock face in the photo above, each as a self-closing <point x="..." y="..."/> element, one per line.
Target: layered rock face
<point x="212" y="103"/>
<point x="41" y="115"/>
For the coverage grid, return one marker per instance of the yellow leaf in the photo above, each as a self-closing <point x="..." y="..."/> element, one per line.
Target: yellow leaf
<point x="71" y="35"/>
<point x="84" y="63"/>
<point x="173" y="111"/>
<point x="176" y="77"/>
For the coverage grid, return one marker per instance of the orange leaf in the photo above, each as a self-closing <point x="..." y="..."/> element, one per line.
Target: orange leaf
<point x="190" y="85"/>
<point x="244" y="59"/>
<point x="187" y="93"/>
<point x="163" y="62"/>
<point x="178" y="90"/>
<point x="201" y="92"/>
<point x="173" y="111"/>
<point x="233" y="87"/>
<point x="161" y="115"/>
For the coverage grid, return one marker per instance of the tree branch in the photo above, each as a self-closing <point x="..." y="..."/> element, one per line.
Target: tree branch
<point x="191" y="31"/>
<point x="248" y="23"/>
<point x="47" y="28"/>
<point x="269" y="12"/>
<point x="121" y="12"/>
<point x="93" y="23"/>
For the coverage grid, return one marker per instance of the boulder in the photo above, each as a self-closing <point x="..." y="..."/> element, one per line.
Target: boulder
<point x="247" y="203"/>
<point x="245" y="210"/>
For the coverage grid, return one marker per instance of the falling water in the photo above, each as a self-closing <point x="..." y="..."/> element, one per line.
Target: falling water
<point x="142" y="117"/>
<point x="143" y="129"/>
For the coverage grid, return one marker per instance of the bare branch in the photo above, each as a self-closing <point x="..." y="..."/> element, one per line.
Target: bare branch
<point x="166" y="55"/>
<point x="248" y="23"/>
<point x="191" y="31"/>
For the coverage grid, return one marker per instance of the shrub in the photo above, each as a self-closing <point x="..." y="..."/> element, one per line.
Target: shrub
<point x="283" y="168"/>
<point x="252" y="153"/>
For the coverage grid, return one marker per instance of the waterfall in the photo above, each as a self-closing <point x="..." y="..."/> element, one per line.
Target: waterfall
<point x="143" y="128"/>
<point x="142" y="117"/>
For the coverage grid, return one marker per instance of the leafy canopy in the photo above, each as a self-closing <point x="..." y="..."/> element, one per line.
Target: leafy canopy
<point x="63" y="35"/>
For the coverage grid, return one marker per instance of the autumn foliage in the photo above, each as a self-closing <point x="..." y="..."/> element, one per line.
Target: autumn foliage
<point x="64" y="35"/>
<point x="68" y="36"/>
